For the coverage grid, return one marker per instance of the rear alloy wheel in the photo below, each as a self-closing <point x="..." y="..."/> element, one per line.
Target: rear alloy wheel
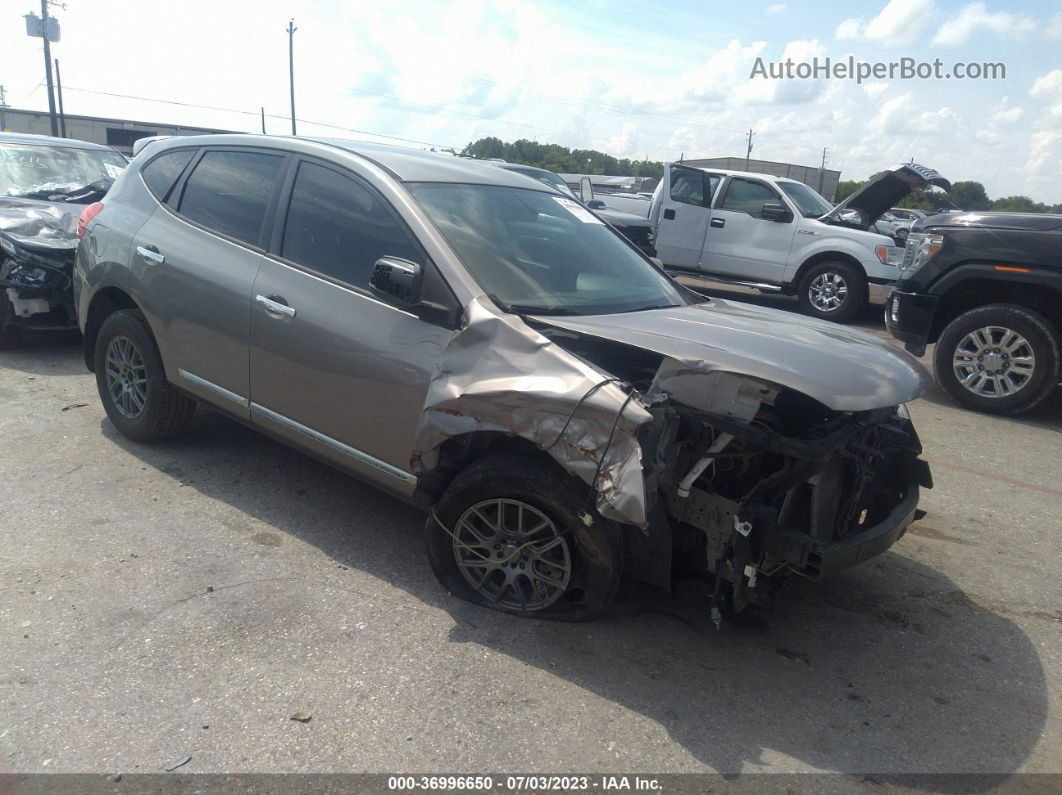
<point x="1001" y="359"/>
<point x="132" y="383"/>
<point x="833" y="291"/>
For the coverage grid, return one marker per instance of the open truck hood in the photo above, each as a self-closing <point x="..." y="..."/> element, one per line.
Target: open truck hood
<point x="887" y="189"/>
<point x="843" y="369"/>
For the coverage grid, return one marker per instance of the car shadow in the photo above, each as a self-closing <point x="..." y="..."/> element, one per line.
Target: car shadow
<point x="45" y="354"/>
<point x="887" y="669"/>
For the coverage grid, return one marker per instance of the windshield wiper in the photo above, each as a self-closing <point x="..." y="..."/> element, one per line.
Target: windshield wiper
<point x="531" y="309"/>
<point x="647" y="307"/>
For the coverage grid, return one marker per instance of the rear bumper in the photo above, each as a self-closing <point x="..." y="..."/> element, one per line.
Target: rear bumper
<point x="909" y="318"/>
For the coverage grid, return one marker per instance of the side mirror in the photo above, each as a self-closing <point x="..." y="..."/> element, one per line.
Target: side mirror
<point x="596" y="204"/>
<point x="657" y="261"/>
<point x="775" y="211"/>
<point x="586" y="190"/>
<point x="397" y="280"/>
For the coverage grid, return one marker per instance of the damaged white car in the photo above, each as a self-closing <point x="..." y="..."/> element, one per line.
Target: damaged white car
<point x="481" y="345"/>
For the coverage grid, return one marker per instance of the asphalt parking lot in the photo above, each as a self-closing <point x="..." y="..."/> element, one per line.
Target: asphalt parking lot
<point x="186" y="599"/>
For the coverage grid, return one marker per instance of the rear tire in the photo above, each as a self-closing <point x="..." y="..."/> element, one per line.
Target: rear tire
<point x="139" y="400"/>
<point x="834" y="290"/>
<point x="573" y="579"/>
<point x="1023" y="373"/>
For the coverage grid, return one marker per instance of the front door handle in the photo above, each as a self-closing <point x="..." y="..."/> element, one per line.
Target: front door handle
<point x="719" y="223"/>
<point x="151" y="254"/>
<point x="275" y="306"/>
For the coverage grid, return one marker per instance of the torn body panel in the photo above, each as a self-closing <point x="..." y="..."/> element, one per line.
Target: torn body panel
<point x="498" y="374"/>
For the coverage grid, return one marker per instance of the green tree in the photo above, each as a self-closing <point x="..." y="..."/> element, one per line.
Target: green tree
<point x="1018" y="204"/>
<point x="969" y="195"/>
<point x="562" y="159"/>
<point x="846" y="187"/>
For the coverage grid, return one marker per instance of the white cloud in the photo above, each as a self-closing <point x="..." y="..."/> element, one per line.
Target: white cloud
<point x="899" y="22"/>
<point x="976" y="18"/>
<point x="1054" y="27"/>
<point x="1047" y="86"/>
<point x="875" y="89"/>
<point x="1008" y="114"/>
<point x="777" y="8"/>
<point x="849" y="29"/>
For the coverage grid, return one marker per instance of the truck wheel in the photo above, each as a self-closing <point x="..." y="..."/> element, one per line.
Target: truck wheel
<point x="132" y="383"/>
<point x="833" y="291"/>
<point x="507" y="534"/>
<point x="1000" y="359"/>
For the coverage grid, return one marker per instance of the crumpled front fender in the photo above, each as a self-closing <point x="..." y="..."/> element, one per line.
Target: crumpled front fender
<point x="498" y="374"/>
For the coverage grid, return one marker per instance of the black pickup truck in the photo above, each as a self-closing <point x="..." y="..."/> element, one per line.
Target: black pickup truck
<point x="987" y="289"/>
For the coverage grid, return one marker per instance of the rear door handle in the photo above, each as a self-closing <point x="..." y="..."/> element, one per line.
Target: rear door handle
<point x="274" y="306"/>
<point x="151" y="254"/>
<point x="718" y="222"/>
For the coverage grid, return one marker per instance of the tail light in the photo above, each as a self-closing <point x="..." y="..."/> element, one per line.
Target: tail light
<point x="87" y="215"/>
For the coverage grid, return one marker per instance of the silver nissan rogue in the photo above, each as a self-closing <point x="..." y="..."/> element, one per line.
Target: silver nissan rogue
<point x="479" y="344"/>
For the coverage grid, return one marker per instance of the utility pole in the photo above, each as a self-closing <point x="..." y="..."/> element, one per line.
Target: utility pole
<point x="3" y="104"/>
<point x="59" y="92"/>
<point x="822" y="169"/>
<point x="262" y="108"/>
<point x="748" y="150"/>
<point x="48" y="68"/>
<point x="291" y="69"/>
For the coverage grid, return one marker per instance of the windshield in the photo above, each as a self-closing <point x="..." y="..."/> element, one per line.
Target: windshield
<point x="810" y="203"/>
<point x="545" y="177"/>
<point x="538" y="253"/>
<point x="57" y="173"/>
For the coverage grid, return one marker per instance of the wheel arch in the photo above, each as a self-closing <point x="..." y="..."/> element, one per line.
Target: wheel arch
<point x="1044" y="299"/>
<point x="104" y="303"/>
<point x="825" y="256"/>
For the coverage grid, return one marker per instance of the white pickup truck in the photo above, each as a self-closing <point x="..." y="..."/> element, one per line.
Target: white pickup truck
<point x="779" y="235"/>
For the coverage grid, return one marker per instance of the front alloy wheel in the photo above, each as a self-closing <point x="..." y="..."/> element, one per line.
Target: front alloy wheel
<point x="994" y="361"/>
<point x="1000" y="358"/>
<point x="512" y="554"/>
<point x="835" y="291"/>
<point x="828" y="291"/>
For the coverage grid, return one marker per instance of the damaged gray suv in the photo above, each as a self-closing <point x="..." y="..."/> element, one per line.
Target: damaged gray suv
<point x="472" y="341"/>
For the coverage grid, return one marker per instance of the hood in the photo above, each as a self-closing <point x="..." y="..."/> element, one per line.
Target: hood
<point x="886" y="189"/>
<point x="1026" y="222"/>
<point x="843" y="369"/>
<point x="40" y="224"/>
<point x="618" y="218"/>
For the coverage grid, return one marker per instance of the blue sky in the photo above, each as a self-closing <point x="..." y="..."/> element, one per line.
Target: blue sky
<point x="635" y="79"/>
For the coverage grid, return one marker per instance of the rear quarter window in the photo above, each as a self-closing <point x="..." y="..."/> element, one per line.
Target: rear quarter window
<point x="160" y="174"/>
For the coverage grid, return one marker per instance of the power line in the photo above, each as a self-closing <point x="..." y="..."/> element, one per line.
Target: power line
<point x="252" y="113"/>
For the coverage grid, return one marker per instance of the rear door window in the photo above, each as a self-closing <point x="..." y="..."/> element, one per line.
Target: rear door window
<point x="339" y="228"/>
<point x="230" y="191"/>
<point x="160" y="174"/>
<point x="746" y="196"/>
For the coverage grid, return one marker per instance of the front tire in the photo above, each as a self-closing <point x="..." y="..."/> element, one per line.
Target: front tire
<point x="132" y="383"/>
<point x="999" y="359"/>
<point x="507" y="534"/>
<point x="834" y="290"/>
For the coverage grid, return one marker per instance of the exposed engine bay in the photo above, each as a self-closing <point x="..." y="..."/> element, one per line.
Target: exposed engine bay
<point x="754" y="481"/>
